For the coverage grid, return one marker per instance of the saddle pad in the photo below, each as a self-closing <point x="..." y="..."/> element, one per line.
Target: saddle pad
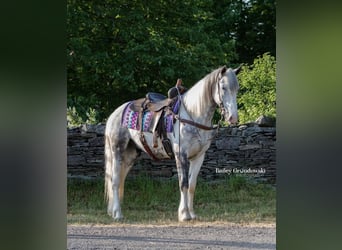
<point x="130" y="120"/>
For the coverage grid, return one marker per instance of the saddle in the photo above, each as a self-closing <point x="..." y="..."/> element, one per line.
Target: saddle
<point x="156" y="114"/>
<point x="153" y="102"/>
<point x="159" y="106"/>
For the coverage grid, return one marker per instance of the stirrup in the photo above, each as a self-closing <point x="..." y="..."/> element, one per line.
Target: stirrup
<point x="168" y="147"/>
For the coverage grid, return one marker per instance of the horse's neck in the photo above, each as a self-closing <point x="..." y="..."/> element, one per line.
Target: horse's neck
<point x="199" y="104"/>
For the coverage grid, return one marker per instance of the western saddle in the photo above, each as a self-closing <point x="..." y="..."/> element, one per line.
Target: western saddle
<point x="160" y="106"/>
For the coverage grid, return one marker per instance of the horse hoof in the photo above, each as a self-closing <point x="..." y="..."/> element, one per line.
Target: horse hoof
<point x="184" y="218"/>
<point x="116" y="215"/>
<point x="118" y="218"/>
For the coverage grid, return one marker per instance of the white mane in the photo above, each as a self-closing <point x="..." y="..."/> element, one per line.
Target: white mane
<point x="198" y="99"/>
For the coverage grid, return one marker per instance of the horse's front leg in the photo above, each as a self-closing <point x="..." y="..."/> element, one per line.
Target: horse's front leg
<point x="183" y="178"/>
<point x="195" y="166"/>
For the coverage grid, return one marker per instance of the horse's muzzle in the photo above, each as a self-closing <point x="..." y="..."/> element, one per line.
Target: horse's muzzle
<point x="231" y="119"/>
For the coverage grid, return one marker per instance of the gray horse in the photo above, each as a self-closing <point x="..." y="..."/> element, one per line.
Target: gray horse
<point x="190" y="139"/>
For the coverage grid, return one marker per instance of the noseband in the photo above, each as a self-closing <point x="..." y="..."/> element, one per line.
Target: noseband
<point x="201" y="126"/>
<point x="220" y="104"/>
<point x="192" y="122"/>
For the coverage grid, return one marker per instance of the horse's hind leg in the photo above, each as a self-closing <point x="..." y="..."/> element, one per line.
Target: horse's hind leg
<point x="115" y="146"/>
<point x="128" y="158"/>
<point x="116" y="176"/>
<point x="118" y="148"/>
<point x="123" y="160"/>
<point x="108" y="174"/>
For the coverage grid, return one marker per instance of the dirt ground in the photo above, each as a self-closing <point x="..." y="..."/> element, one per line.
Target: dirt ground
<point x="172" y="236"/>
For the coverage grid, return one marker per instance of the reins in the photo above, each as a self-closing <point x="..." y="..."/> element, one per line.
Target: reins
<point x="196" y="124"/>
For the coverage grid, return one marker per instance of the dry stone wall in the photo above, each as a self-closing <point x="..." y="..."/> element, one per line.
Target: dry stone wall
<point x="247" y="150"/>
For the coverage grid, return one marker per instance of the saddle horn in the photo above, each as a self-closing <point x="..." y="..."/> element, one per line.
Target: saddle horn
<point x="179" y="82"/>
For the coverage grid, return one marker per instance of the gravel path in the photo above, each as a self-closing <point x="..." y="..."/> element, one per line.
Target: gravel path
<point x="178" y="236"/>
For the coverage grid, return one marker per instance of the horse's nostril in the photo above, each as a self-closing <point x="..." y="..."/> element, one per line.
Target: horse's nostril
<point x="232" y="119"/>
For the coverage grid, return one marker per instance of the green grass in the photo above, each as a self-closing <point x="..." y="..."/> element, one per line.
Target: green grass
<point x="156" y="201"/>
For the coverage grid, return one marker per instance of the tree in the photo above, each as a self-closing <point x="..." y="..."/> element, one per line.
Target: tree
<point x="118" y="50"/>
<point x="255" y="29"/>
<point x="257" y="95"/>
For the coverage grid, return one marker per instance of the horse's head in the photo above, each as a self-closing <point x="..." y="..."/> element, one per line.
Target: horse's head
<point x="226" y="91"/>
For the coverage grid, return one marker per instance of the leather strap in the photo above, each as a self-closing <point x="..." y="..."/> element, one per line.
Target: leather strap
<point x="198" y="125"/>
<point x="146" y="147"/>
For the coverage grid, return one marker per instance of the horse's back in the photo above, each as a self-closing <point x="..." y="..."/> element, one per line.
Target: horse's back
<point x="114" y="120"/>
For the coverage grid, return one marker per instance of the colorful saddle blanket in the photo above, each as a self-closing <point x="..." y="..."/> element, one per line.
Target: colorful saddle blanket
<point x="149" y="119"/>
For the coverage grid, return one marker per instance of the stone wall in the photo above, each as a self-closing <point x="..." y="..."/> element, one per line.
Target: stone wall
<point x="247" y="150"/>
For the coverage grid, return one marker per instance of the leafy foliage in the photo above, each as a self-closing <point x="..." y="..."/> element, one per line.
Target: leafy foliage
<point x="74" y="119"/>
<point x="257" y="95"/>
<point x="255" y="29"/>
<point x="119" y="50"/>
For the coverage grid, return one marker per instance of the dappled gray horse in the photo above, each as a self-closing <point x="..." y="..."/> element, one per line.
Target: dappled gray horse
<point x="190" y="138"/>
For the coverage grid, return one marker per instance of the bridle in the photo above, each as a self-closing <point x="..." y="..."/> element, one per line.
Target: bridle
<point x="198" y="125"/>
<point x="220" y="104"/>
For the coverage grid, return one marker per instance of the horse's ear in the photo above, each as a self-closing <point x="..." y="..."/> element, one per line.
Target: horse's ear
<point x="223" y="70"/>
<point x="238" y="69"/>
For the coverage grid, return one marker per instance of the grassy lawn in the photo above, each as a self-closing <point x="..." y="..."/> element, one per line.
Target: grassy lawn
<point x="156" y="201"/>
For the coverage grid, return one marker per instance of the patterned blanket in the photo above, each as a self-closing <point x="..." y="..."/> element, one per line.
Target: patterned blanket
<point x="130" y="119"/>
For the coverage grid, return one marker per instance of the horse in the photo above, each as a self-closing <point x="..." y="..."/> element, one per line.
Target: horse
<point x="191" y="137"/>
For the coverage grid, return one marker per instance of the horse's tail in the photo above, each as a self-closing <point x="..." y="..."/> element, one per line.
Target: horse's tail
<point x="108" y="169"/>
